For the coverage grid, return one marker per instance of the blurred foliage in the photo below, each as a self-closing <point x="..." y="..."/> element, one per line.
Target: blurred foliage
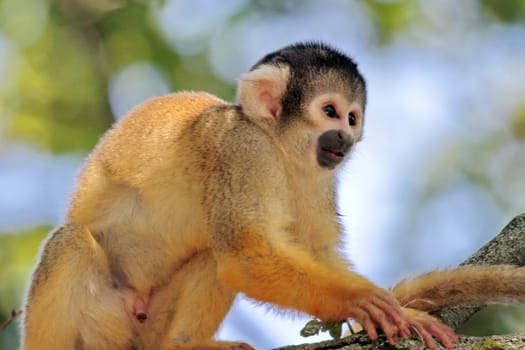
<point x="518" y="125"/>
<point x="60" y="98"/>
<point x="495" y="319"/>
<point x="391" y="17"/>
<point x="63" y="54"/>
<point x="512" y="11"/>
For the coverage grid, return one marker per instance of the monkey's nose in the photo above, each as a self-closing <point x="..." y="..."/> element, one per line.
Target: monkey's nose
<point x="344" y="138"/>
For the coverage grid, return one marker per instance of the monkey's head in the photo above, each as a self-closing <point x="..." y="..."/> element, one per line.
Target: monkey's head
<point x="311" y="97"/>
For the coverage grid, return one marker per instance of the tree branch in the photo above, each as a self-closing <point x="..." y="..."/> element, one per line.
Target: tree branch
<point x="506" y="248"/>
<point x="362" y="342"/>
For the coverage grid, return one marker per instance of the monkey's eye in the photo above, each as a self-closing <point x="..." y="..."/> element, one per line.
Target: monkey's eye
<point x="329" y="110"/>
<point x="352" y="120"/>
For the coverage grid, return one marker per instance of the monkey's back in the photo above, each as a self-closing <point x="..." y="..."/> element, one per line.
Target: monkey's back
<point x="134" y="186"/>
<point x="128" y="154"/>
<point x="156" y="125"/>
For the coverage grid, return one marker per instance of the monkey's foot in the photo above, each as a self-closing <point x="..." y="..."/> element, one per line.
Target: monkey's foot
<point x="211" y="345"/>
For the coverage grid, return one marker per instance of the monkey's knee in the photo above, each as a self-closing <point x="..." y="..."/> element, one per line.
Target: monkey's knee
<point x="105" y="324"/>
<point x="190" y="308"/>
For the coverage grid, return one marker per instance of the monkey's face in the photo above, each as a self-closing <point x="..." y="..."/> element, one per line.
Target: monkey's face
<point x="312" y="100"/>
<point x="336" y="124"/>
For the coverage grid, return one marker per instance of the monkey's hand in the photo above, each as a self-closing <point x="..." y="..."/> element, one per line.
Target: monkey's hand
<point x="428" y="327"/>
<point x="377" y="308"/>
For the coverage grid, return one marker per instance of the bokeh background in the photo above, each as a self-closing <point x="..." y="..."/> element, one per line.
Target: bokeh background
<point x="440" y="171"/>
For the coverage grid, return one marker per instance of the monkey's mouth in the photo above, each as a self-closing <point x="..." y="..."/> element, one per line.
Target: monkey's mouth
<point x="329" y="158"/>
<point x="334" y="152"/>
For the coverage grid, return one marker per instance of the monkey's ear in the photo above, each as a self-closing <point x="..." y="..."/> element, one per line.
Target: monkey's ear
<point x="260" y="93"/>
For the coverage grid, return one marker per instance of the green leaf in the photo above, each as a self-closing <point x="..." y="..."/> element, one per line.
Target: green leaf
<point x="311" y="328"/>
<point x="335" y="330"/>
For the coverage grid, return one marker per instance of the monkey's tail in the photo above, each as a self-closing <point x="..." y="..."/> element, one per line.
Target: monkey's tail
<point x="478" y="284"/>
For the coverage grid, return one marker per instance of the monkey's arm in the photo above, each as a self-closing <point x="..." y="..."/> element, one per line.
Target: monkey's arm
<point x="255" y="256"/>
<point x="288" y="277"/>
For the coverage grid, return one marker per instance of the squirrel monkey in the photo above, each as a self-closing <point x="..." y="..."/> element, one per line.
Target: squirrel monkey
<point x="189" y="200"/>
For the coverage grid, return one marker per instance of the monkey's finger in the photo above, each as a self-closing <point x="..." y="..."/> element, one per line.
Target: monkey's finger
<point x="445" y="334"/>
<point x="425" y="335"/>
<point x="394" y="311"/>
<point x="383" y="321"/>
<point x="361" y="316"/>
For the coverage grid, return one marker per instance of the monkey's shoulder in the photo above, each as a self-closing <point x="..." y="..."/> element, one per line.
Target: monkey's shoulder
<point x="229" y="129"/>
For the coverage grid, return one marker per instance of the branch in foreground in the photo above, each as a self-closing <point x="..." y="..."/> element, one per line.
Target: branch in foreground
<point x="362" y="342"/>
<point x="14" y="315"/>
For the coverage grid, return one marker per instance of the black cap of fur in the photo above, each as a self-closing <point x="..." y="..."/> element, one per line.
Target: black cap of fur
<point x="308" y="60"/>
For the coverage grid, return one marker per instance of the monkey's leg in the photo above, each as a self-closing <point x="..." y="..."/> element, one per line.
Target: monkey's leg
<point x="71" y="303"/>
<point x="195" y="310"/>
